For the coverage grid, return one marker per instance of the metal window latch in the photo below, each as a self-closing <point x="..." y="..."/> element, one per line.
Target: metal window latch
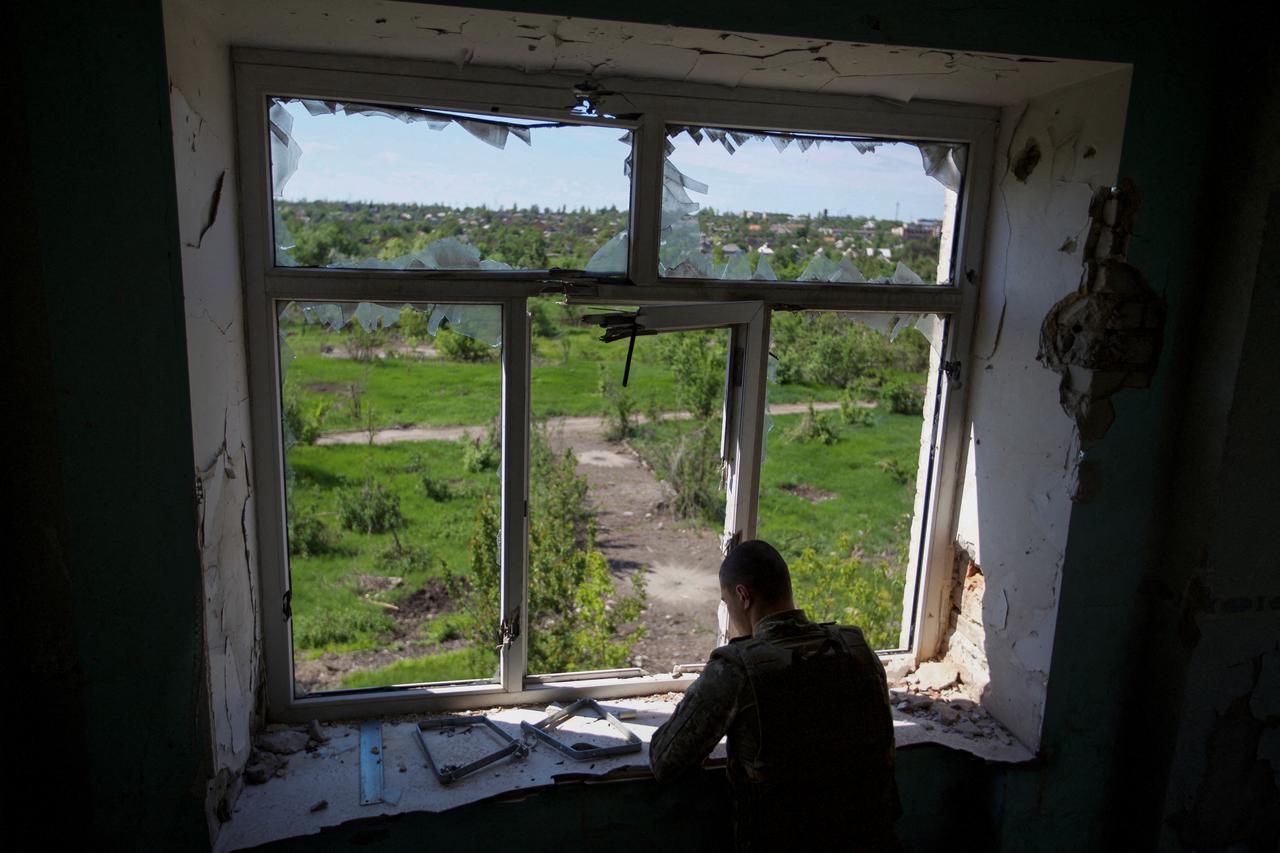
<point x="952" y="369"/>
<point x="288" y="605"/>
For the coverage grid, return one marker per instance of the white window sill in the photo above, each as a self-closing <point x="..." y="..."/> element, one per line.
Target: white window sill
<point x="282" y="807"/>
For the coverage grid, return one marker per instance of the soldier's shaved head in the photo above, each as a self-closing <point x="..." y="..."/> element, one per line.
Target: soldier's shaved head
<point x="759" y="567"/>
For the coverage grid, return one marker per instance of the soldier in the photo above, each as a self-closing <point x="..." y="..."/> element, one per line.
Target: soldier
<point x="806" y="709"/>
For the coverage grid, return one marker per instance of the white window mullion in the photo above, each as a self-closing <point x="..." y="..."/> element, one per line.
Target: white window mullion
<point x="515" y="495"/>
<point x="648" y="156"/>
<point x="748" y="368"/>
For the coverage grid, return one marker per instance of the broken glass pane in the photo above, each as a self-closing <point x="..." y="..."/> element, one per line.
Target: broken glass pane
<point x="838" y="485"/>
<point x="391" y="454"/>
<point x="382" y="187"/>
<point x="767" y="206"/>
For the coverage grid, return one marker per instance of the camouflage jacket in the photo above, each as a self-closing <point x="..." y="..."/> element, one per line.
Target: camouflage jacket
<point x="810" y="746"/>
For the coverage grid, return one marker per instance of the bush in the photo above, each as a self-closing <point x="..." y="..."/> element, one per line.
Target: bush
<point x="694" y="472"/>
<point x="852" y="589"/>
<point x="543" y="324"/>
<point x="414" y="324"/>
<point x="303" y="419"/>
<point x="854" y="414"/>
<point x="402" y="560"/>
<point x="482" y="454"/>
<point x="308" y="535"/>
<point x="437" y="490"/>
<point x="455" y="347"/>
<point x="814" y="427"/>
<point x="827" y="348"/>
<point x="575" y="614"/>
<point x="619" y="409"/>
<point x="903" y="397"/>
<point x="362" y="344"/>
<point x="697" y="361"/>
<point x="902" y="474"/>
<point x="370" y="508"/>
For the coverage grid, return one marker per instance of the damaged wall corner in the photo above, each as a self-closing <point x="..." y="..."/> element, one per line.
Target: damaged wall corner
<point x="1021" y="454"/>
<point x="204" y="162"/>
<point x="966" y="635"/>
<point x="1107" y="335"/>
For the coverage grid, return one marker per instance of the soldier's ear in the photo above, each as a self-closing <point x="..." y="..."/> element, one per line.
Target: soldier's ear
<point x="744" y="595"/>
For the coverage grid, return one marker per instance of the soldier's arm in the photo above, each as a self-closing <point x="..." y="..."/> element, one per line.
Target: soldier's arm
<point x="698" y="722"/>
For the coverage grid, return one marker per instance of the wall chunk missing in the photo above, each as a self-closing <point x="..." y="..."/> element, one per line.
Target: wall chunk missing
<point x="1107" y="334"/>
<point x="966" y="638"/>
<point x="1026" y="161"/>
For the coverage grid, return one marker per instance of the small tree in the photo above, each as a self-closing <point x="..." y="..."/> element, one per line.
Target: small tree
<point x="576" y="616"/>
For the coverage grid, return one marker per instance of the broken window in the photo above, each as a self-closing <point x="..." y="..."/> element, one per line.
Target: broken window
<point x="383" y="521"/>
<point x="469" y="497"/>
<point x="400" y="188"/>
<point x="749" y="205"/>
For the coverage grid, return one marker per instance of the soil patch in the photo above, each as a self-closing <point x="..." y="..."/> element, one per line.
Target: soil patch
<point x="812" y="494"/>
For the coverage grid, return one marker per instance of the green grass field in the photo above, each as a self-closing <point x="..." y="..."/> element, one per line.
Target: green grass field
<point x="863" y="501"/>
<point x="852" y="497"/>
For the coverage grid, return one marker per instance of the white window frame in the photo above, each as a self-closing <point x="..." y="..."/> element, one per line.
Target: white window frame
<point x="261" y="74"/>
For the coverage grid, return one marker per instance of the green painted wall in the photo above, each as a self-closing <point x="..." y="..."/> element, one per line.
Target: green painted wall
<point x="102" y="252"/>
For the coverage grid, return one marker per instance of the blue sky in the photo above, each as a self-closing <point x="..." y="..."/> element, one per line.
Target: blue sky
<point x="375" y="158"/>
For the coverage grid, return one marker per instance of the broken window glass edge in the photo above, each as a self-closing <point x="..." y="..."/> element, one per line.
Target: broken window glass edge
<point x="479" y="321"/>
<point x="942" y="161"/>
<point x="449" y="254"/>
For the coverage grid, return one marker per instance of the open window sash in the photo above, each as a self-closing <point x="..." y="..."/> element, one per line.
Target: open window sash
<point x="742" y="416"/>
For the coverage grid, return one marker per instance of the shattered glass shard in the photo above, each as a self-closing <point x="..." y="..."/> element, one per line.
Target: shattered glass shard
<point x="764" y="271"/>
<point x="492" y="134"/>
<point x="904" y="275"/>
<point x="944" y="163"/>
<point x="612" y="256"/>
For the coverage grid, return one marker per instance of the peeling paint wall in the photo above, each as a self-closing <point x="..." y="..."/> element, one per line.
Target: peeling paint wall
<point x="535" y="43"/>
<point x="1023" y="457"/>
<point x="204" y="162"/>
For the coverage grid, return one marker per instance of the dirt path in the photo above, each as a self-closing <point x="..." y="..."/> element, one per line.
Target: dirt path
<point x="586" y="426"/>
<point x="635" y="532"/>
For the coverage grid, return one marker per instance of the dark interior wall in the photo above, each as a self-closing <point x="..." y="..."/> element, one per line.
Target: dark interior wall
<point x="113" y="738"/>
<point x="118" y="643"/>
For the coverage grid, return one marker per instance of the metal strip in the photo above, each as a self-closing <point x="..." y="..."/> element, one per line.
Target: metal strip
<point x="370" y="763"/>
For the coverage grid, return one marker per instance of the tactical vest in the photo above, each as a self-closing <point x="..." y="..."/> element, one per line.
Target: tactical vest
<point x="823" y="772"/>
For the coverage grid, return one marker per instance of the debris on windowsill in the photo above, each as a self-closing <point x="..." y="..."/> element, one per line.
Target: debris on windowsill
<point x="330" y="770"/>
<point x="934" y="705"/>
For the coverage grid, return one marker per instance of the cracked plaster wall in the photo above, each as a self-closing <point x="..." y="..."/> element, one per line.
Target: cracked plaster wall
<point x="204" y="161"/>
<point x="1023" y="457"/>
<point x="535" y="43"/>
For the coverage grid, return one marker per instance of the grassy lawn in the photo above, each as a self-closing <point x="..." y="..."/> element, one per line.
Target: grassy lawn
<point x="410" y="389"/>
<point x="453" y="665"/>
<point x="331" y="610"/>
<point x="859" y="498"/>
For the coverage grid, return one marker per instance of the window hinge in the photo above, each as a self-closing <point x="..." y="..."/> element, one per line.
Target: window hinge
<point x="288" y="604"/>
<point x="952" y="369"/>
<point x="738" y="358"/>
